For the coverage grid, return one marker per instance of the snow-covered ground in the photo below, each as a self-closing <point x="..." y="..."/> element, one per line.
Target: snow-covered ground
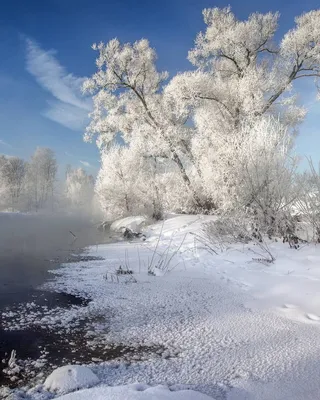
<point x="135" y="392"/>
<point x="74" y="377"/>
<point x="224" y="325"/>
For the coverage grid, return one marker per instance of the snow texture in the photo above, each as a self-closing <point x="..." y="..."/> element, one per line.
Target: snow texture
<point x="69" y="378"/>
<point x="134" y="392"/>
<point x="227" y="325"/>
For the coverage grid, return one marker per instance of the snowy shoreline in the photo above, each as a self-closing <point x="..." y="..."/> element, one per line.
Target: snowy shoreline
<point x="226" y="326"/>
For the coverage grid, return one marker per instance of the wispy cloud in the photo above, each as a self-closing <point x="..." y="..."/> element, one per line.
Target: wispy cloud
<point x="72" y="117"/>
<point x="3" y="143"/>
<point x="69" y="108"/>
<point x="86" y="164"/>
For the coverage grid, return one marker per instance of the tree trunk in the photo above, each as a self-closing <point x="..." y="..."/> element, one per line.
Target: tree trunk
<point x="127" y="203"/>
<point x="176" y="159"/>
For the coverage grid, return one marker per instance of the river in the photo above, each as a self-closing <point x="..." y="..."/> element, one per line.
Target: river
<point x="30" y="246"/>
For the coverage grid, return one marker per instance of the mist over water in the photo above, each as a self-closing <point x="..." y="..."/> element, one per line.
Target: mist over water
<point x="29" y="241"/>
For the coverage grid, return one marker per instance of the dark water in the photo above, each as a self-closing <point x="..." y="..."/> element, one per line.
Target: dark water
<point x="30" y="245"/>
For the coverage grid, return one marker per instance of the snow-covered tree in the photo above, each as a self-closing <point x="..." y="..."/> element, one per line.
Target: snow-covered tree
<point x="265" y="172"/>
<point x="12" y="172"/>
<point x="41" y="176"/>
<point x="197" y="124"/>
<point x="117" y="182"/>
<point x="242" y="75"/>
<point x="129" y="99"/>
<point x="133" y="182"/>
<point x="79" y="188"/>
<point x="3" y="184"/>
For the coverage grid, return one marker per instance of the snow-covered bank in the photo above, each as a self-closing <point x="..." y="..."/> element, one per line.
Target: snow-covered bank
<point x="289" y="286"/>
<point x="73" y="377"/>
<point x="221" y="324"/>
<point x="134" y="392"/>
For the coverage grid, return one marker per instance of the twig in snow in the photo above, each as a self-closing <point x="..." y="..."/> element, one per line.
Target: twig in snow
<point x="12" y="360"/>
<point x="150" y="265"/>
<point x="165" y="260"/>
<point x="151" y="249"/>
<point x="139" y="260"/>
<point x="176" y="252"/>
<point x="204" y="242"/>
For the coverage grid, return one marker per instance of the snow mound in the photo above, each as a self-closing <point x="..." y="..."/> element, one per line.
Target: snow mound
<point x="70" y="377"/>
<point x="313" y="317"/>
<point x="134" y="392"/>
<point x="133" y="223"/>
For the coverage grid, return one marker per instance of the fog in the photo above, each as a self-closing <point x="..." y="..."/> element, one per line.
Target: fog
<point x="29" y="241"/>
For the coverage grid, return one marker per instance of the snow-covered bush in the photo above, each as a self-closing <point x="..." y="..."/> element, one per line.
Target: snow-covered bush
<point x="308" y="203"/>
<point x="253" y="171"/>
<point x="265" y="171"/>
<point x="229" y="229"/>
<point x="236" y="228"/>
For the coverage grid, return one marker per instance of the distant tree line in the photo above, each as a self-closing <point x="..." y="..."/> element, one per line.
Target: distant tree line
<point x="33" y="185"/>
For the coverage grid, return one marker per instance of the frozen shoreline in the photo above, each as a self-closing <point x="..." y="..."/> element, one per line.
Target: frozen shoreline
<point x="228" y="326"/>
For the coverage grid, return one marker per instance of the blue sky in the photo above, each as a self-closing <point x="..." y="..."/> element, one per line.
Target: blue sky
<point x="46" y="53"/>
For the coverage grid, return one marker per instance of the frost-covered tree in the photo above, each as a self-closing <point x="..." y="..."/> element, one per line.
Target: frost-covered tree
<point x="3" y="183"/>
<point x="243" y="73"/>
<point x="79" y="188"/>
<point x="129" y="99"/>
<point x="242" y="76"/>
<point x="117" y="182"/>
<point x="12" y="172"/>
<point x="4" y="193"/>
<point x="132" y="182"/>
<point x="265" y="172"/>
<point x="200" y="123"/>
<point x="41" y="177"/>
<point x="151" y="186"/>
